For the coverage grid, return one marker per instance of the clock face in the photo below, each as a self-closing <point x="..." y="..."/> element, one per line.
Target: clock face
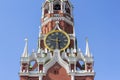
<point x="57" y="40"/>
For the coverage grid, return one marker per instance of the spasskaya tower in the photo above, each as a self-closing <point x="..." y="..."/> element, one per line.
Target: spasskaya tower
<point x="57" y="56"/>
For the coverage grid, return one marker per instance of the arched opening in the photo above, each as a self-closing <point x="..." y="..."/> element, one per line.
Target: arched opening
<point x="57" y="72"/>
<point x="46" y="8"/>
<point x="80" y="65"/>
<point x="33" y="66"/>
<point x="67" y="8"/>
<point x="57" y="6"/>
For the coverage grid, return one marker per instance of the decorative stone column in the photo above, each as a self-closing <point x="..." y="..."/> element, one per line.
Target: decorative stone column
<point x="72" y="77"/>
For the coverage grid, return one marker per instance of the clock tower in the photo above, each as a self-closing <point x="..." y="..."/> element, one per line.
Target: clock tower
<point x="57" y="56"/>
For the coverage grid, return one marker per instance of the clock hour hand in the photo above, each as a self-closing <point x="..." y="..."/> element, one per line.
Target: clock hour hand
<point x="53" y="39"/>
<point x="56" y="40"/>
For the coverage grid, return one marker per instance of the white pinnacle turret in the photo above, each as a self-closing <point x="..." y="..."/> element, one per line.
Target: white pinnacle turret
<point x="25" y="52"/>
<point x="88" y="54"/>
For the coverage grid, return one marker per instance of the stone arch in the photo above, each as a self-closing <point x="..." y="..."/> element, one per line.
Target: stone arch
<point x="56" y="58"/>
<point x="57" y="5"/>
<point x="33" y="66"/>
<point x="67" y="8"/>
<point x="57" y="72"/>
<point x="46" y="8"/>
<point x="80" y="65"/>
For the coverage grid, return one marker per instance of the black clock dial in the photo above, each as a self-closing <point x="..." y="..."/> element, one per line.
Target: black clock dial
<point x="57" y="40"/>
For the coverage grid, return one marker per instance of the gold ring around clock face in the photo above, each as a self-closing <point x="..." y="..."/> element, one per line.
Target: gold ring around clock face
<point x="57" y="39"/>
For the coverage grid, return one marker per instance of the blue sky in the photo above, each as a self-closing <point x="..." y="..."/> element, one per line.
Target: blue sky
<point x="99" y="20"/>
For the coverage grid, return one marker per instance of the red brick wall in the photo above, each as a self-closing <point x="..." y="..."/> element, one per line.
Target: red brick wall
<point x="56" y="72"/>
<point x="63" y="25"/>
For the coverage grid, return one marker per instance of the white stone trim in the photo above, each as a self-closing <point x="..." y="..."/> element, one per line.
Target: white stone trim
<point x="56" y="58"/>
<point x="57" y="19"/>
<point x="80" y="56"/>
<point x="82" y="73"/>
<point x="40" y="77"/>
<point x="33" y="57"/>
<point x="42" y="12"/>
<point x="88" y="59"/>
<point x="72" y="77"/>
<point x="32" y="74"/>
<point x="85" y="74"/>
<point x="72" y="36"/>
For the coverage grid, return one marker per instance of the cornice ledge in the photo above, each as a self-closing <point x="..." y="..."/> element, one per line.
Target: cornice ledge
<point x="58" y="19"/>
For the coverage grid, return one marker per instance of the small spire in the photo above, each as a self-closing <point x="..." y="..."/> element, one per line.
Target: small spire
<point x="25" y="52"/>
<point x="88" y="54"/>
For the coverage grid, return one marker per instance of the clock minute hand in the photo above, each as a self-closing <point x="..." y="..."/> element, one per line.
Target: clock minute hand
<point x="57" y="41"/>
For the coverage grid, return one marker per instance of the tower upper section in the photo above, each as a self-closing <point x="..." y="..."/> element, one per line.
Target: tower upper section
<point x="57" y="10"/>
<point x="57" y="53"/>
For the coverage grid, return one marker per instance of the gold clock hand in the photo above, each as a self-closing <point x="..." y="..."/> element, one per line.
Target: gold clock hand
<point x="57" y="41"/>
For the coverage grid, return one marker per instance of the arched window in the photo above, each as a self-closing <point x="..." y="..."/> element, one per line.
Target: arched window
<point x="57" y="6"/>
<point x="67" y="8"/>
<point x="46" y="8"/>
<point x="33" y="66"/>
<point x="80" y="65"/>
